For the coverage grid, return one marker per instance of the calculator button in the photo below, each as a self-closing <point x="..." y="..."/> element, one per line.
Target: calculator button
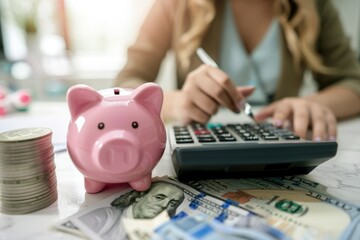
<point x="182" y="133"/>
<point x="182" y="137"/>
<point x="186" y="140"/>
<point x="205" y="136"/>
<point x="224" y="135"/>
<point x="219" y="129"/>
<point x="201" y="132"/>
<point x="271" y="137"/>
<point x="203" y="140"/>
<point x="246" y="134"/>
<point x="291" y="137"/>
<point x="227" y="139"/>
<point x="250" y="138"/>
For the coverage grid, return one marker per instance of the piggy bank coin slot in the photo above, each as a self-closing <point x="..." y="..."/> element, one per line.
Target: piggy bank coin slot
<point x="116" y="91"/>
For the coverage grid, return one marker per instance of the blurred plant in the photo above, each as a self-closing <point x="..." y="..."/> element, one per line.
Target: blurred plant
<point x="25" y="13"/>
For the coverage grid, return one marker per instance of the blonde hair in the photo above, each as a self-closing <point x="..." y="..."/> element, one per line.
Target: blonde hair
<point x="301" y="29"/>
<point x="201" y="14"/>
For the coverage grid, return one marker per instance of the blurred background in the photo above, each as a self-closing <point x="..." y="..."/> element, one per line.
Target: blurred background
<point x="48" y="45"/>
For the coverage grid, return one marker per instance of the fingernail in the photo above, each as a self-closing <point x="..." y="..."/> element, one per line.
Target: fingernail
<point x="317" y="139"/>
<point x="278" y="123"/>
<point x="332" y="138"/>
<point x="236" y="110"/>
<point x="241" y="104"/>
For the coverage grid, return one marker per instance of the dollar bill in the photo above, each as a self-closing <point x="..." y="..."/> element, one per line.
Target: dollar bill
<point x="202" y="227"/>
<point x="302" y="204"/>
<point x="106" y="219"/>
<point x="144" y="229"/>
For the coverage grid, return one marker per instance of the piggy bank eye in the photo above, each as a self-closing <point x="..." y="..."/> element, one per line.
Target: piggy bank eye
<point x="135" y="125"/>
<point x="101" y="126"/>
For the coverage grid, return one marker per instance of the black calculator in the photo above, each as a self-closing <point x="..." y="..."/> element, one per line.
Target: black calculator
<point x="218" y="150"/>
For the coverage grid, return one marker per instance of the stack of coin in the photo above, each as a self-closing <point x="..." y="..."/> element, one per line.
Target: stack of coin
<point x="27" y="170"/>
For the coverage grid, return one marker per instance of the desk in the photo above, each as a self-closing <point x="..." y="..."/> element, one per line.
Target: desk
<point x="341" y="174"/>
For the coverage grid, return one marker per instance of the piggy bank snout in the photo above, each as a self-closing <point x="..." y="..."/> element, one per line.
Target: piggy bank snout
<point x="117" y="152"/>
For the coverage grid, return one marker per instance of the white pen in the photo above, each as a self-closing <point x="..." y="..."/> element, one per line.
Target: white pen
<point x="205" y="58"/>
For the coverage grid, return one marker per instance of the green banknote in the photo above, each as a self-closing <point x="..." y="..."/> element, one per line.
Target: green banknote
<point x="296" y="206"/>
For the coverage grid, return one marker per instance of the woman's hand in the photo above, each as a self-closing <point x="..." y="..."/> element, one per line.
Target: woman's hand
<point x="204" y="90"/>
<point x="302" y="114"/>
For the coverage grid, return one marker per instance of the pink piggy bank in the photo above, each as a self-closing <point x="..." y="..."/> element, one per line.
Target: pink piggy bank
<point x="116" y="135"/>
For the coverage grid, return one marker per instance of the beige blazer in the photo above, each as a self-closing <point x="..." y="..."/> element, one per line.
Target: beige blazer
<point x="160" y="33"/>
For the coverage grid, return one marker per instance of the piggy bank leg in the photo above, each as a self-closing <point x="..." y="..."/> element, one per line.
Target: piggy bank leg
<point x="141" y="184"/>
<point x="92" y="186"/>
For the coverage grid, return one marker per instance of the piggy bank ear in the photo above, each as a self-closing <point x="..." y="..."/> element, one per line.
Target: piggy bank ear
<point x="81" y="97"/>
<point x="149" y="95"/>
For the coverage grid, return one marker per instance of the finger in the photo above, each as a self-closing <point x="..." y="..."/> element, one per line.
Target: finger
<point x="216" y="92"/>
<point x="319" y="124"/>
<point x="195" y="114"/>
<point x="198" y="87"/>
<point x="265" y="112"/>
<point x="282" y="112"/>
<point x="331" y="126"/>
<point x="228" y="89"/>
<point x="194" y="103"/>
<point x="301" y="118"/>
<point x="245" y="91"/>
<point x="204" y="102"/>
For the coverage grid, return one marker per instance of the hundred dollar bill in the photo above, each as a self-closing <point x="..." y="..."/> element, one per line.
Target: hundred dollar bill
<point x="143" y="229"/>
<point x="106" y="219"/>
<point x="302" y="204"/>
<point x="202" y="227"/>
<point x="199" y="226"/>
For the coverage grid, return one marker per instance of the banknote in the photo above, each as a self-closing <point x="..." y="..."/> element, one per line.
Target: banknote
<point x="143" y="229"/>
<point x="202" y="227"/>
<point x="106" y="219"/>
<point x="198" y="226"/>
<point x="302" y="204"/>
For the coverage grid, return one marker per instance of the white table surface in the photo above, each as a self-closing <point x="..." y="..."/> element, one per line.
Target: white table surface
<point x="341" y="174"/>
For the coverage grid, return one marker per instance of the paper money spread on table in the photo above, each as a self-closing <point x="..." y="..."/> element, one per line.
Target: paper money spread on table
<point x="251" y="208"/>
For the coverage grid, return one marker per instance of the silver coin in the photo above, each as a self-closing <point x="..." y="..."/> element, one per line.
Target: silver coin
<point x="30" y="176"/>
<point x="24" y="175"/>
<point x="29" y="197"/>
<point x="25" y="134"/>
<point x="21" y="188"/>
<point x="30" y="150"/>
<point x="22" y="192"/>
<point x="30" y="180"/>
<point x="24" y="172"/>
<point x="26" y="144"/>
<point x="34" y="200"/>
<point x="25" y="147"/>
<point x="28" y="208"/>
<point x="40" y="164"/>
<point x="28" y="183"/>
<point x="36" y="167"/>
<point x="29" y="203"/>
<point x="9" y="158"/>
<point x="29" y="193"/>
<point x="28" y="164"/>
<point x="26" y="197"/>
<point x="27" y="170"/>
